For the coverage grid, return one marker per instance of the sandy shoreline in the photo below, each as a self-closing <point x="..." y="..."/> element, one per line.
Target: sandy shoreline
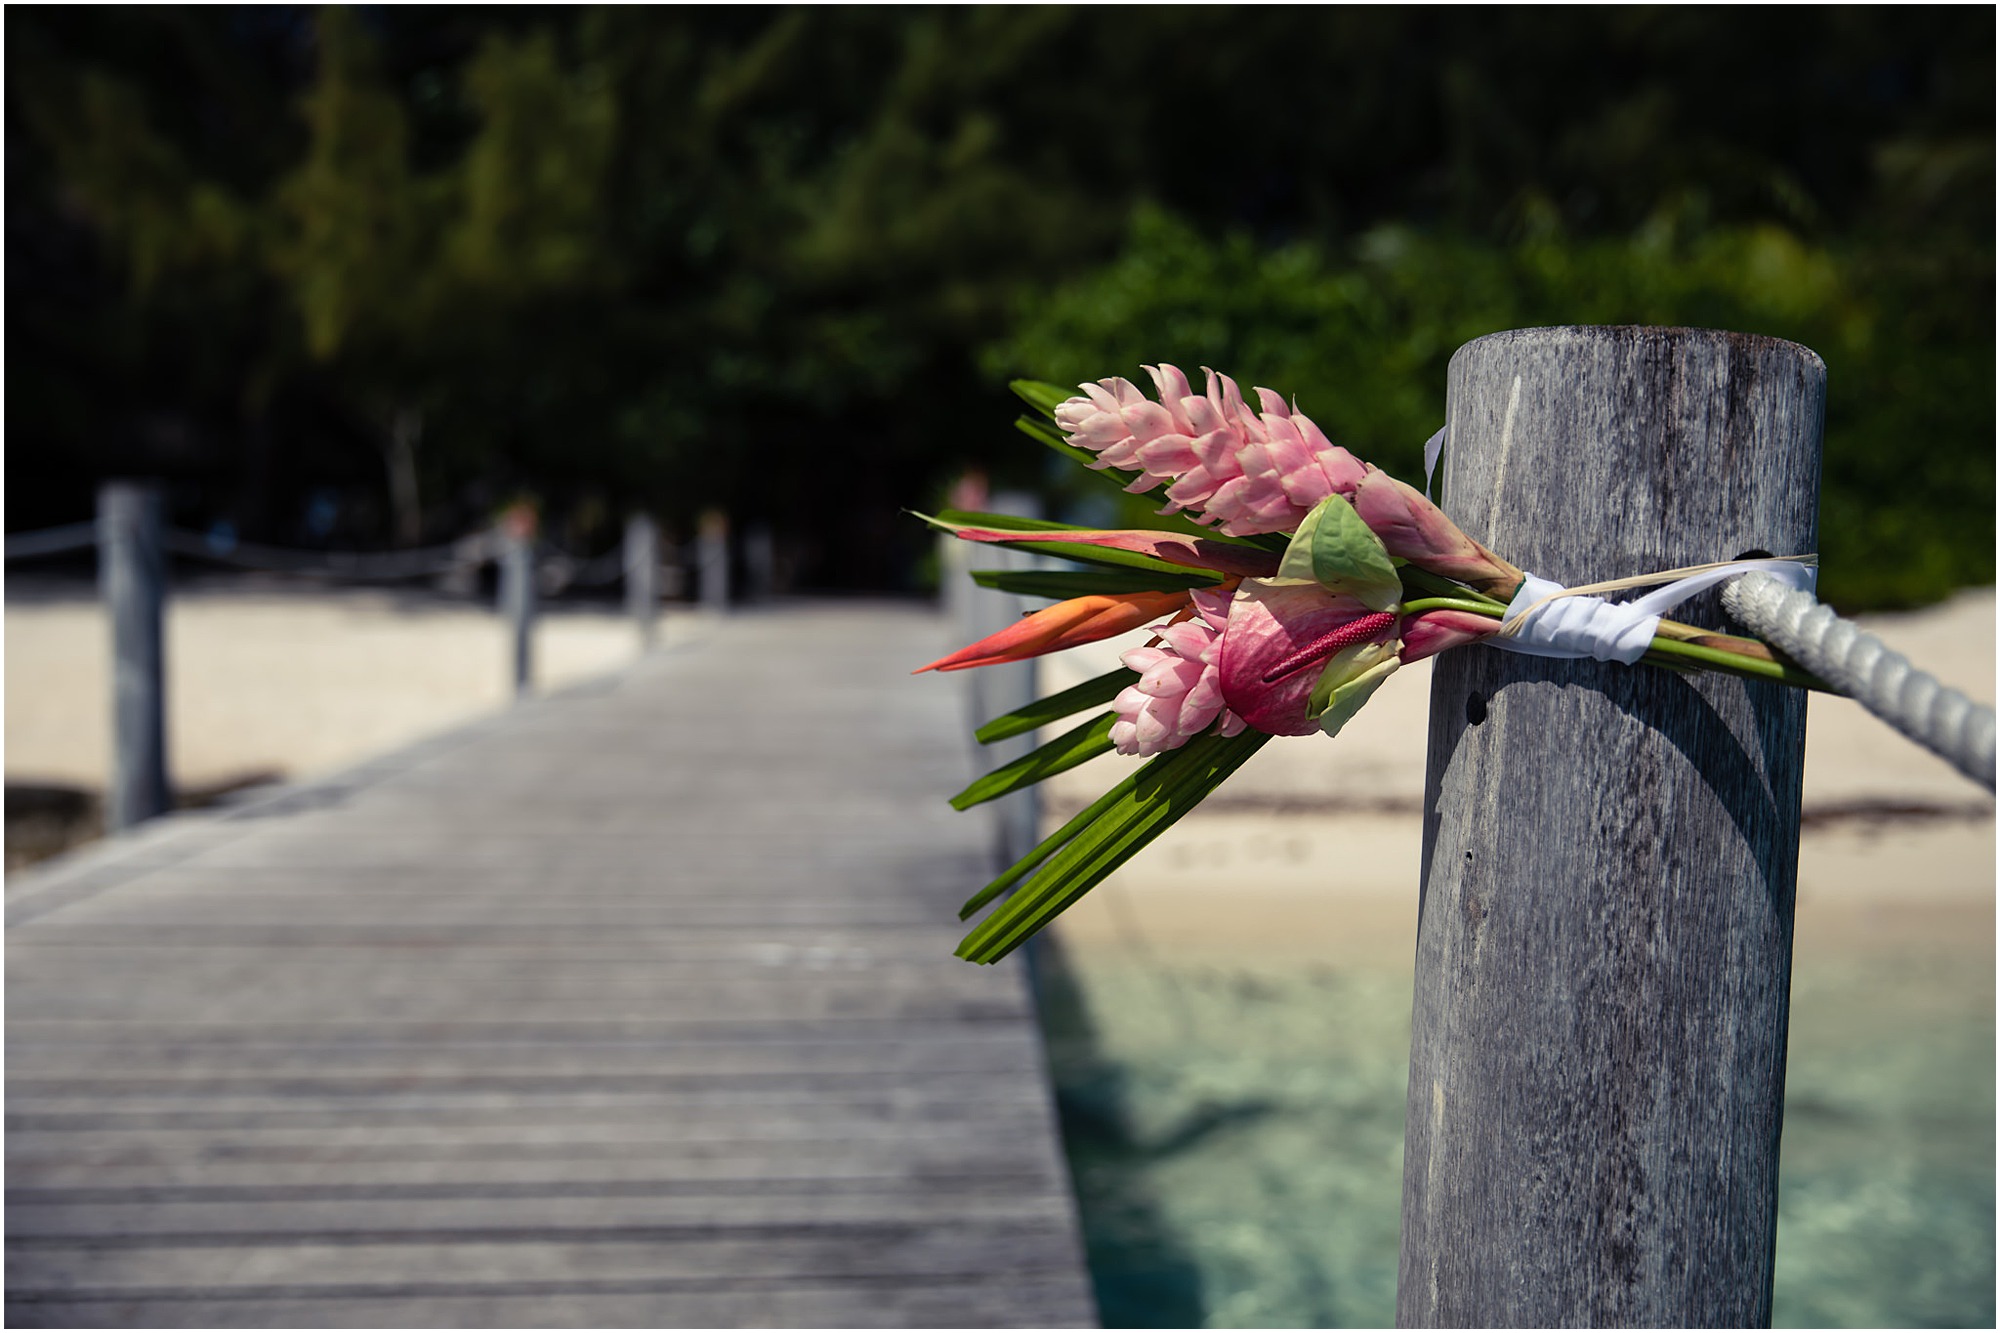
<point x="1311" y="843"/>
<point x="278" y="680"/>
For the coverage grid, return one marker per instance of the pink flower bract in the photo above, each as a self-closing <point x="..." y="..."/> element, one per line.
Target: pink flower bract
<point x="1177" y="696"/>
<point x="1250" y="471"/>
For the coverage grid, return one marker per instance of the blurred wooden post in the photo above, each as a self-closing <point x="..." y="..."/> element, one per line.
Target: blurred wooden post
<point x="642" y="576"/>
<point x="712" y="559"/>
<point x="517" y="591"/>
<point x="132" y="576"/>
<point x="1003" y="688"/>
<point x="759" y="563"/>
<point x="1597" y="1060"/>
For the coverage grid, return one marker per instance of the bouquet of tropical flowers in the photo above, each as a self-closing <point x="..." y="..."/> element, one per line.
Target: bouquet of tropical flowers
<point x="1307" y="578"/>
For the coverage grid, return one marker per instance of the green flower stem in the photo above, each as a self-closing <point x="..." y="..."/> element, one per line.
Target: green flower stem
<point x="1666" y="652"/>
<point x="1436" y="585"/>
<point x="1474" y="603"/>
<point x="1715" y="659"/>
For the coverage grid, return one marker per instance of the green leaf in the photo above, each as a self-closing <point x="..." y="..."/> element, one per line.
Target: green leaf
<point x="979" y="518"/>
<point x="1043" y="849"/>
<point x="1041" y="395"/>
<point x="1338" y="551"/>
<point x="1348" y="697"/>
<point x="1060" y="755"/>
<point x="1167" y="788"/>
<point x="1097" y="690"/>
<point x="950" y="520"/>
<point x="1061" y="584"/>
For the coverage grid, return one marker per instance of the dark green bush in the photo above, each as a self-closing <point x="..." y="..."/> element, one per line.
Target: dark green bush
<point x="1361" y="336"/>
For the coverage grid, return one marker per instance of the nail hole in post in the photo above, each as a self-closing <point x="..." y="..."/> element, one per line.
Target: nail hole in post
<point x="1475" y="708"/>
<point x="1754" y="554"/>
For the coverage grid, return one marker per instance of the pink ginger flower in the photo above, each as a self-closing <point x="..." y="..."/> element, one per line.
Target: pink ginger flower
<point x="1249" y="471"/>
<point x="1177" y="695"/>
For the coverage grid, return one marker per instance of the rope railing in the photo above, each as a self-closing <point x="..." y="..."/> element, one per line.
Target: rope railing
<point x="563" y="570"/>
<point x="51" y="541"/>
<point x="337" y="564"/>
<point x="133" y="547"/>
<point x="558" y="568"/>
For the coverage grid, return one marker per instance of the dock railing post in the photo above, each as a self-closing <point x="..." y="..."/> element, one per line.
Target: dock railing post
<point x="132" y="578"/>
<point x="760" y="563"/>
<point x="1007" y="686"/>
<point x="1610" y="855"/>
<point x="642" y="576"/>
<point x="517" y="592"/>
<point x="712" y="560"/>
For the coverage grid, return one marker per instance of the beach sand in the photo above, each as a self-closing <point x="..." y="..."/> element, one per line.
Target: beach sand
<point x="269" y="679"/>
<point x="1313" y="849"/>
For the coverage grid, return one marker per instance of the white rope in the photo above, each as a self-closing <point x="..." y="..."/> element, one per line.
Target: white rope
<point x="1859" y="665"/>
<point x="1546" y="619"/>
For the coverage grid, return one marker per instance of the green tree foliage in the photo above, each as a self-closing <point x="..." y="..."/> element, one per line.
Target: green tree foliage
<point x="750" y="256"/>
<point x="1362" y="336"/>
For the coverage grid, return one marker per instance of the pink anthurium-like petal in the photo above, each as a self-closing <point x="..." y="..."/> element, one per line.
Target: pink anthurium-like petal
<point x="1270" y="626"/>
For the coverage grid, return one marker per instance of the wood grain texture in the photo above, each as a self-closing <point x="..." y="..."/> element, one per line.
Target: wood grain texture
<point x="1610" y="854"/>
<point x="633" y="1006"/>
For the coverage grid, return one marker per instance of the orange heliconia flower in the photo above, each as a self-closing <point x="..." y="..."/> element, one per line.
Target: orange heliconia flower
<point x="1065" y="625"/>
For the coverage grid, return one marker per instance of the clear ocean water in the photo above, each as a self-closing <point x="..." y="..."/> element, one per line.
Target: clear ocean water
<point x="1236" y="1131"/>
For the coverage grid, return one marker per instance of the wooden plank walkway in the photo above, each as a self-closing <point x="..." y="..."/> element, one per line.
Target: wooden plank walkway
<point x="629" y="1007"/>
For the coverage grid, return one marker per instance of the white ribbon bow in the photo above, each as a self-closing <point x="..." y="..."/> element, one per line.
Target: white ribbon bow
<point x="1546" y="619"/>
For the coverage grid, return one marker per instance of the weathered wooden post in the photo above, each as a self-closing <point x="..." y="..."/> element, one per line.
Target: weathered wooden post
<point x="132" y="577"/>
<point x="1597" y="1061"/>
<point x="760" y="563"/>
<point x="642" y="576"/>
<point x="712" y="560"/>
<point x="1010" y="685"/>
<point x="517" y="591"/>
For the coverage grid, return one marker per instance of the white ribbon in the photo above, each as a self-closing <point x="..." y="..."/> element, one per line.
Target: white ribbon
<point x="1546" y="619"/>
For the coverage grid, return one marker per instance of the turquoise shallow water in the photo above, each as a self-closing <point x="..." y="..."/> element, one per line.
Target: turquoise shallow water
<point x="1236" y="1131"/>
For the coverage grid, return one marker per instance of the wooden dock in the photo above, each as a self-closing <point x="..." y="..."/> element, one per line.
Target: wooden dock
<point x="634" y="1006"/>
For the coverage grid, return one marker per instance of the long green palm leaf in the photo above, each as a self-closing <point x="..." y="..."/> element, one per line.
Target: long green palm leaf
<point x="1167" y="788"/>
<point x="1056" y="707"/>
<point x="1065" y="752"/>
